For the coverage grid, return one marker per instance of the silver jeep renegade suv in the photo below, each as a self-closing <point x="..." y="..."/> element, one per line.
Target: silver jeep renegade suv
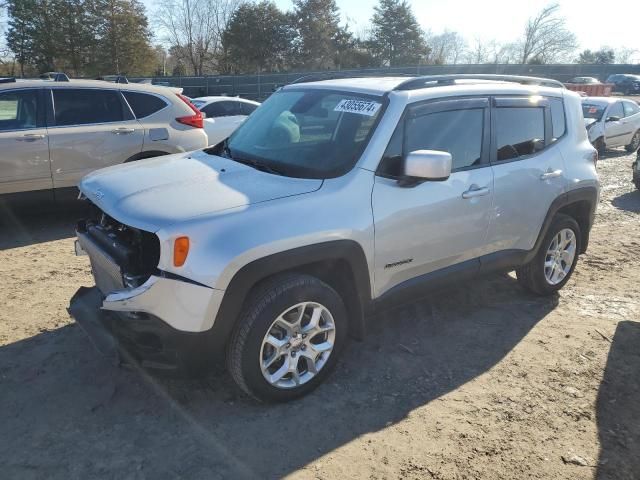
<point x="334" y="198"/>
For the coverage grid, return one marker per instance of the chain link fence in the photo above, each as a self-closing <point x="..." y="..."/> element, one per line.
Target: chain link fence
<point x="260" y="86"/>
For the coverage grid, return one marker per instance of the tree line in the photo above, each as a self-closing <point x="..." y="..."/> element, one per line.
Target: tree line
<point x="99" y="37"/>
<point x="81" y="37"/>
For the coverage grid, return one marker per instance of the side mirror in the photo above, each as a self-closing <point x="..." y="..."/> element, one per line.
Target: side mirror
<point x="613" y="118"/>
<point x="431" y="165"/>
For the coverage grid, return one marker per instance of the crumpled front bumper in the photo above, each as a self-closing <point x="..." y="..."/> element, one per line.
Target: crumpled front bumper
<point x="139" y="337"/>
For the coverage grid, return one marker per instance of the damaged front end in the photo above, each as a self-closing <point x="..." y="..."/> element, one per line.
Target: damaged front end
<point x="136" y="311"/>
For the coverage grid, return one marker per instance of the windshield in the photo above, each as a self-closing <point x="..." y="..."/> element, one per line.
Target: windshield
<point x="590" y="110"/>
<point x="306" y="133"/>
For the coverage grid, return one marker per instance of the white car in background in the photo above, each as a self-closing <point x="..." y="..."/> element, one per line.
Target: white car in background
<point x="612" y="122"/>
<point x="223" y="115"/>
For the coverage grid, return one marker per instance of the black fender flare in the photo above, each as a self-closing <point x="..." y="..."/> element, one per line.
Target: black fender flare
<point x="581" y="194"/>
<point x="298" y="259"/>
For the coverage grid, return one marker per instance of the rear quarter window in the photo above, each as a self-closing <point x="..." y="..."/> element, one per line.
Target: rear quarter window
<point x="559" y="126"/>
<point x="144" y="104"/>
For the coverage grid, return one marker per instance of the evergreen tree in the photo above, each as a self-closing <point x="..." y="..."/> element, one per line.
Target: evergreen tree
<point x="396" y="37"/>
<point x="258" y="38"/>
<point x="123" y="38"/>
<point x="318" y="27"/>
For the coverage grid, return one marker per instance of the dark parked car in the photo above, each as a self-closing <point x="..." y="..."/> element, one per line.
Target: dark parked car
<point x="585" y="80"/>
<point x="625" y="84"/>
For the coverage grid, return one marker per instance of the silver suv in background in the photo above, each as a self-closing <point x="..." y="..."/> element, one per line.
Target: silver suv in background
<point x="52" y="133"/>
<point x="333" y="199"/>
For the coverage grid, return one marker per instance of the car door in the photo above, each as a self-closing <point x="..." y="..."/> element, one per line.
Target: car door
<point x="528" y="169"/>
<point x="424" y="227"/>
<point x="223" y="118"/>
<point x="24" y="146"/>
<point x="632" y="120"/>
<point x="89" y="128"/>
<point x="616" y="130"/>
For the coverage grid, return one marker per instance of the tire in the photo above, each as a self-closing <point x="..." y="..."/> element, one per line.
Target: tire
<point x="533" y="276"/>
<point x="635" y="143"/>
<point x="599" y="145"/>
<point x="278" y="302"/>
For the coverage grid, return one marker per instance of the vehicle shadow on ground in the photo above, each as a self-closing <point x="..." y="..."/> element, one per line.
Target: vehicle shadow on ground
<point x="629" y="201"/>
<point x="20" y="228"/>
<point x="66" y="413"/>
<point x="618" y="407"/>
<point x="614" y="154"/>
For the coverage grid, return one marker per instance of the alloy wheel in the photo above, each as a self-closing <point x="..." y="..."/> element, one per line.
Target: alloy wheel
<point x="297" y="345"/>
<point x="560" y="256"/>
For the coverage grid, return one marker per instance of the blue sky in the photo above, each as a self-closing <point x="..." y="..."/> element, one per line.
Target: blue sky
<point x="503" y="20"/>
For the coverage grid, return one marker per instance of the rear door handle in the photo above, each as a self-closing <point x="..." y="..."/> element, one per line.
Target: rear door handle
<point x="550" y="174"/>
<point x="30" y="137"/>
<point x="123" y="131"/>
<point x="475" y="191"/>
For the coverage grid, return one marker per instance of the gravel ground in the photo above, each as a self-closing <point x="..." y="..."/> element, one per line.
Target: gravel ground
<point x="485" y="381"/>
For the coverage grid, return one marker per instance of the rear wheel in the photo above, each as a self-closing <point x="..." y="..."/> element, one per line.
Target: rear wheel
<point x="288" y="338"/>
<point x="635" y="143"/>
<point x="556" y="259"/>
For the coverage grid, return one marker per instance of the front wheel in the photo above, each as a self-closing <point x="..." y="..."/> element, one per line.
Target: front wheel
<point x="288" y="337"/>
<point x="599" y="145"/>
<point x="556" y="259"/>
<point x="635" y="143"/>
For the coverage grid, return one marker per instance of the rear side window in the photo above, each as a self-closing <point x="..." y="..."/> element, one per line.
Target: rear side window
<point x="630" y="109"/>
<point x="557" y="118"/>
<point x="615" y="111"/>
<point x="247" y="108"/>
<point x="18" y="110"/>
<point x="144" y="104"/>
<point x="519" y="131"/>
<point x="86" y="106"/>
<point x="458" y="132"/>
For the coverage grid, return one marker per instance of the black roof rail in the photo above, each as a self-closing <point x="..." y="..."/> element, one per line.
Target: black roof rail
<point x="316" y="77"/>
<point x="440" y="80"/>
<point x="114" y="78"/>
<point x="8" y="80"/>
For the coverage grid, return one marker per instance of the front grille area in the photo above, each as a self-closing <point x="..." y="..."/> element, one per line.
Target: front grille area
<point x="121" y="256"/>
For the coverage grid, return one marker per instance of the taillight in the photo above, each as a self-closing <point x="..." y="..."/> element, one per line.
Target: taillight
<point x="196" y="120"/>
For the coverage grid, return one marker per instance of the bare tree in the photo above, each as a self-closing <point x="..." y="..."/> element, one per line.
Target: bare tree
<point x="194" y="28"/>
<point x="546" y="38"/>
<point x="626" y="54"/>
<point x="446" y="48"/>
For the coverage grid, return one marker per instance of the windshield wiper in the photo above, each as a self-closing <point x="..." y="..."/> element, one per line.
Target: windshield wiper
<point x="226" y="152"/>
<point x="257" y="165"/>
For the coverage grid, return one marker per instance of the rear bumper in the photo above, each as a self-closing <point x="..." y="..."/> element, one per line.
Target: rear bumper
<point x="139" y="337"/>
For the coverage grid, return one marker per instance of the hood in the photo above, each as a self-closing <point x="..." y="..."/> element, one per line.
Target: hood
<point x="154" y="193"/>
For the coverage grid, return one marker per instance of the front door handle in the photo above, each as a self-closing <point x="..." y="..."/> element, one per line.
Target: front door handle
<point x="475" y="191"/>
<point x="550" y="174"/>
<point x="123" y="131"/>
<point x="30" y="137"/>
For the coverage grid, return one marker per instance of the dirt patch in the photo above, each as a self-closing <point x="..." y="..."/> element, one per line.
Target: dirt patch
<point x="486" y="381"/>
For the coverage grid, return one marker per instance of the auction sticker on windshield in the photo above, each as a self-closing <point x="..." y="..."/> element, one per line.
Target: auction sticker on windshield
<point x="358" y="106"/>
